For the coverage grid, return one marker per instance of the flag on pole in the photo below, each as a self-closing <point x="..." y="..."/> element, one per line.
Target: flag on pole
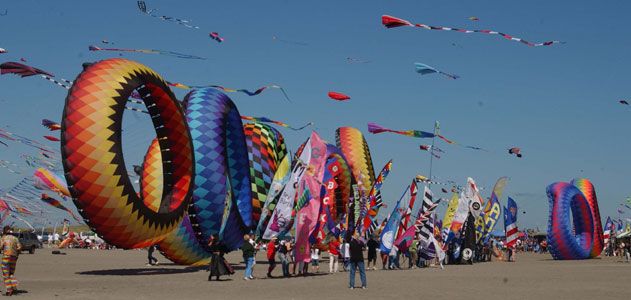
<point x="510" y="223"/>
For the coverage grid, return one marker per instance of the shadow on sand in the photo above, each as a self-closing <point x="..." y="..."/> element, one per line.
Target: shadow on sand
<point x="143" y="271"/>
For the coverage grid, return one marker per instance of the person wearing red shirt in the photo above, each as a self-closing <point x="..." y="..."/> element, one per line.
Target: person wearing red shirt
<point x="271" y="256"/>
<point x="334" y="252"/>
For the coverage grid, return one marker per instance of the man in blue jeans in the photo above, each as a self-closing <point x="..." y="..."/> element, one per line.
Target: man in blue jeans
<point x="248" y="257"/>
<point x="357" y="261"/>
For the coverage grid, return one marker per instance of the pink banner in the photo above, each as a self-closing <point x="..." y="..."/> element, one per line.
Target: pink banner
<point x="307" y="216"/>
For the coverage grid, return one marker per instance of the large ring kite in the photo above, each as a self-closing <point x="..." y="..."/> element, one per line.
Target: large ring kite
<point x="93" y="158"/>
<point x="181" y="245"/>
<point x="583" y="238"/>
<point x="221" y="166"/>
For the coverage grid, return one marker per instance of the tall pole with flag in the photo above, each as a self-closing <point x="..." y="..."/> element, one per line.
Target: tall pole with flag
<point x="431" y="151"/>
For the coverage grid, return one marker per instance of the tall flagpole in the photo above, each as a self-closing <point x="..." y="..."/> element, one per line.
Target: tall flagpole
<point x="431" y="154"/>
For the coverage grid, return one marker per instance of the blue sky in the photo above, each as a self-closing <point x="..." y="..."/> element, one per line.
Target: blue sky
<point x="558" y="103"/>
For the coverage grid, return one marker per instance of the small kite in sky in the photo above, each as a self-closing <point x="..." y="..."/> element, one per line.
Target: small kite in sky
<point x="147" y="51"/>
<point x="275" y="38"/>
<point x="51" y="125"/>
<point x="432" y="150"/>
<point x="2" y="50"/>
<point x="21" y="70"/>
<point x="142" y="6"/>
<point x="215" y="36"/>
<point x="623" y="102"/>
<point x="474" y="18"/>
<point x="338" y="96"/>
<point x="55" y="203"/>
<point x="516" y="151"/>
<point x="392" y="22"/>
<point x="229" y="90"/>
<point x="352" y="60"/>
<point x="267" y="120"/>
<point x="51" y="138"/>
<point x="375" y="129"/>
<point x="424" y="69"/>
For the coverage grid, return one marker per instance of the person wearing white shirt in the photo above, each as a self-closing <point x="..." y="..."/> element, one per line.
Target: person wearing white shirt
<point x="315" y="258"/>
<point x="346" y="250"/>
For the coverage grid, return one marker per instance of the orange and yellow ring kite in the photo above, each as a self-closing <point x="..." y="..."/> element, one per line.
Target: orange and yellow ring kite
<point x="93" y="158"/>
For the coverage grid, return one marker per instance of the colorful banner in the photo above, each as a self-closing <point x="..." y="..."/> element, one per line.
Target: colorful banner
<point x="510" y="223"/>
<point x="389" y="231"/>
<point x="449" y="215"/>
<point x="307" y="216"/>
<point x="281" y="217"/>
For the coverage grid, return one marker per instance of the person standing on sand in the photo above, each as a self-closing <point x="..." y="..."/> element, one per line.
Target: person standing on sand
<point x="334" y="253"/>
<point x="357" y="261"/>
<point x="413" y="250"/>
<point x="218" y="264"/>
<point x="372" y="253"/>
<point x="272" y="248"/>
<point x="315" y="258"/>
<point x="10" y="250"/>
<point x="347" y="254"/>
<point x="248" y="257"/>
<point x="282" y="256"/>
<point x="152" y="260"/>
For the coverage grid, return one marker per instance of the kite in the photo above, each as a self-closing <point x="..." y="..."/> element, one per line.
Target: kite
<point x="51" y="138"/>
<point x="229" y="90"/>
<point x="22" y="59"/>
<point x="424" y="69"/>
<point x="430" y="147"/>
<point x="352" y="60"/>
<point x="21" y="70"/>
<point x="147" y="51"/>
<point x="515" y="150"/>
<point x="221" y="167"/>
<point x="55" y="203"/>
<point x="266" y="151"/>
<point x="338" y="96"/>
<point x="279" y="123"/>
<point x="392" y="22"/>
<point x="375" y="129"/>
<point x="107" y="42"/>
<point x="51" y="125"/>
<point x="584" y="238"/>
<point x="275" y="38"/>
<point x="2" y="50"/>
<point x="444" y="190"/>
<point x="624" y="102"/>
<point x="215" y="36"/>
<point x="94" y="162"/>
<point x="45" y="179"/>
<point x="6" y="164"/>
<point x="142" y="6"/>
<point x="474" y="18"/>
<point x="23" y="140"/>
<point x="181" y="245"/>
<point x="433" y="150"/>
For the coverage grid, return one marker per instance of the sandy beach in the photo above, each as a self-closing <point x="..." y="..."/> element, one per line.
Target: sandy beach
<point x="118" y="274"/>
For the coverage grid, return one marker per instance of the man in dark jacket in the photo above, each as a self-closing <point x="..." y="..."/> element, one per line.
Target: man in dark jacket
<point x="357" y="261"/>
<point x="248" y="256"/>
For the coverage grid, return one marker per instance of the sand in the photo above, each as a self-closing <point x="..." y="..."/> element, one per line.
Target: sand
<point x="119" y="274"/>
